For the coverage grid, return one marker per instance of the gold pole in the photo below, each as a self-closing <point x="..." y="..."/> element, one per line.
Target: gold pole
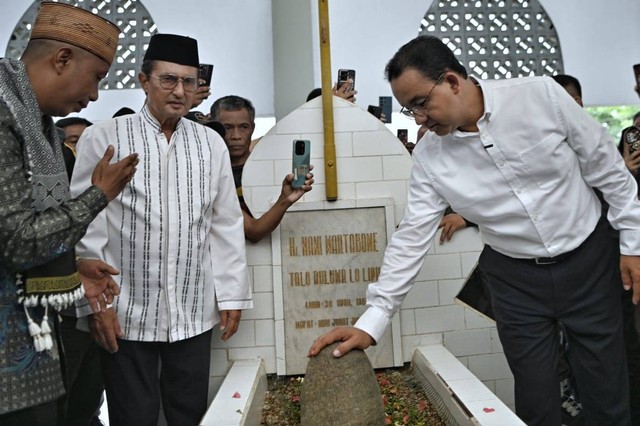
<point x="330" y="171"/>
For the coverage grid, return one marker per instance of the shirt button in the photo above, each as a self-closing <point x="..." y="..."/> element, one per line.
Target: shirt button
<point x="519" y="191"/>
<point x="535" y="218"/>
<point x="500" y="163"/>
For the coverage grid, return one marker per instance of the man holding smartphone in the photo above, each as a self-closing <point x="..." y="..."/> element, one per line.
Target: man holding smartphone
<point x="527" y="184"/>
<point x="237" y="115"/>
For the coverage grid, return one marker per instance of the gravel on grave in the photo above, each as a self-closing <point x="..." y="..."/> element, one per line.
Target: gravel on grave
<point x="405" y="402"/>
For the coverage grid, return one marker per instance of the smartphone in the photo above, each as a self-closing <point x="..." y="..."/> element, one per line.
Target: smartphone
<point x="631" y="136"/>
<point x="403" y="135"/>
<point x="205" y="72"/>
<point x="301" y="160"/>
<point x="385" y="104"/>
<point x="375" y="110"/>
<point x="636" y="72"/>
<point x="344" y="75"/>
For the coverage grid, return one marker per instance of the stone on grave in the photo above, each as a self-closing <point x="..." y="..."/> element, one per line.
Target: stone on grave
<point x="341" y="391"/>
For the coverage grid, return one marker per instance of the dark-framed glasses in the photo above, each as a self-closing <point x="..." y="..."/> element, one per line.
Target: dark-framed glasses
<point x="419" y="106"/>
<point x="170" y="81"/>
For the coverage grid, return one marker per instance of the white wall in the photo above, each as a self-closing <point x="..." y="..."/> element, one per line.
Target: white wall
<point x="235" y="36"/>
<point x="599" y="42"/>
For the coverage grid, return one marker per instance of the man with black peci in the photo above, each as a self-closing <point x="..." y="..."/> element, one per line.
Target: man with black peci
<point x="176" y="234"/>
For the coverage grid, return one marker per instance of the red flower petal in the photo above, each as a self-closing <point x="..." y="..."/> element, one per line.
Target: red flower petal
<point x="236" y="395"/>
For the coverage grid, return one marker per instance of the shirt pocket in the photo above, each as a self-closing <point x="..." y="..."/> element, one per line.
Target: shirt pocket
<point x="548" y="162"/>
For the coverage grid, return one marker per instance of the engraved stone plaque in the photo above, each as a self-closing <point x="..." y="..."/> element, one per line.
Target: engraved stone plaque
<point x="328" y="259"/>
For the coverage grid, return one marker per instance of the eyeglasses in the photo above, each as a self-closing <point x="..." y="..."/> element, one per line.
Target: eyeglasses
<point x="418" y="107"/>
<point x="170" y="81"/>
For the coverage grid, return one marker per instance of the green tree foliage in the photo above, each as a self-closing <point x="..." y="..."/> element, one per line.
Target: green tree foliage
<point x="614" y="118"/>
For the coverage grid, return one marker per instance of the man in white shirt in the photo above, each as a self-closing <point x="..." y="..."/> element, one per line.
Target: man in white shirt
<point x="517" y="157"/>
<point x="176" y="235"/>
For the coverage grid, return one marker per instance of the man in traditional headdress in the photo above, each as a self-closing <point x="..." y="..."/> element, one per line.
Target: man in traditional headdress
<point x="58" y="73"/>
<point x="177" y="238"/>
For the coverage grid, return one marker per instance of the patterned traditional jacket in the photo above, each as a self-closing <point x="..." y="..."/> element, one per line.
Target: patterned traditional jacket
<point x="29" y="238"/>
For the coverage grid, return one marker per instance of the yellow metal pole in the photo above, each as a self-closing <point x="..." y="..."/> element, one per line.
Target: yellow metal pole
<point x="330" y="171"/>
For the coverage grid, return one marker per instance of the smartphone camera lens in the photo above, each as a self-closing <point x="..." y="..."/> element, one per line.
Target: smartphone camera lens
<point x="299" y="147"/>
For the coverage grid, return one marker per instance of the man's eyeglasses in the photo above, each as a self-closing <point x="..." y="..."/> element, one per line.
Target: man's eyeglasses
<point x="419" y="106"/>
<point x="170" y="81"/>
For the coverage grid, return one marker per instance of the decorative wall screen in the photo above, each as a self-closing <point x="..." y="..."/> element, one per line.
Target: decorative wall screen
<point x="497" y="38"/>
<point x="130" y="16"/>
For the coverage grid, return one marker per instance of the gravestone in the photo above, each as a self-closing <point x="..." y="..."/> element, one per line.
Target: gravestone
<point x="341" y="391"/>
<point x="328" y="259"/>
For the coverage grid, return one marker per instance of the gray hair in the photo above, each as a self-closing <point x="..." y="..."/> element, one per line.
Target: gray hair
<point x="232" y="103"/>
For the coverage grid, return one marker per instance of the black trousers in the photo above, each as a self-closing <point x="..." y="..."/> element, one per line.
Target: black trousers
<point x="39" y="415"/>
<point x="134" y="387"/>
<point x="83" y="379"/>
<point x="582" y="293"/>
<point x="632" y="346"/>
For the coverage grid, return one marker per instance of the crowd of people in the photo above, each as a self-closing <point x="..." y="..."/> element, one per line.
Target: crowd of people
<point x="122" y="252"/>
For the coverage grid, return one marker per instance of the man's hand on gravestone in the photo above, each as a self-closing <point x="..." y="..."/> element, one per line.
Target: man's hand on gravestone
<point x="351" y="338"/>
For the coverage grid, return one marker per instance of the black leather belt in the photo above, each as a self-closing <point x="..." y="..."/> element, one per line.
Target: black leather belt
<point x="551" y="260"/>
<point x="564" y="256"/>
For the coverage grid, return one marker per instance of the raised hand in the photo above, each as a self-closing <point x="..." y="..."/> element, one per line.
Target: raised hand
<point x="632" y="161"/>
<point x="201" y="95"/>
<point x="291" y="194"/>
<point x="112" y="178"/>
<point x="345" y="91"/>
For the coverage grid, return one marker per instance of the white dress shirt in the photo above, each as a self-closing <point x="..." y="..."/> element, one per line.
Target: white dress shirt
<point x="175" y="232"/>
<point x="524" y="178"/>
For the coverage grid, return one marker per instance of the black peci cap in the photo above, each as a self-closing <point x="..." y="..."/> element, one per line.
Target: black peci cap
<point x="173" y="48"/>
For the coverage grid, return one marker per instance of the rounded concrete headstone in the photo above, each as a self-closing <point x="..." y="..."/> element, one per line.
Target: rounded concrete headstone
<point x="340" y="391"/>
